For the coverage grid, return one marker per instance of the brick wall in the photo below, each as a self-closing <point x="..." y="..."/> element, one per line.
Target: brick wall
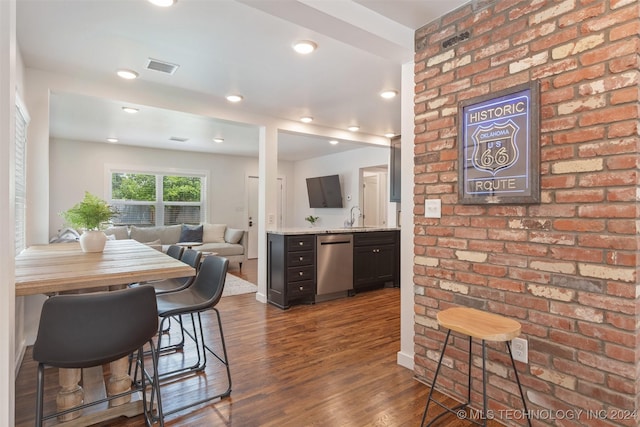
<point x="566" y="268"/>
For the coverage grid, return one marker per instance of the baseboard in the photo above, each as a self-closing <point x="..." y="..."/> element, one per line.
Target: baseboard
<point x="405" y="359"/>
<point x="260" y="297"/>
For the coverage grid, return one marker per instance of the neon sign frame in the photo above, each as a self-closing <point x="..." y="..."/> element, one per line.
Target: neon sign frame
<point x="499" y="147"/>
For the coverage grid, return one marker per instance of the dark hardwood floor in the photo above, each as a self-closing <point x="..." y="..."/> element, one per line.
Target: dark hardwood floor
<point x="329" y="364"/>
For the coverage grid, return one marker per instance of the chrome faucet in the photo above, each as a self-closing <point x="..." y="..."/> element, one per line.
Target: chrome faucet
<point x="352" y="220"/>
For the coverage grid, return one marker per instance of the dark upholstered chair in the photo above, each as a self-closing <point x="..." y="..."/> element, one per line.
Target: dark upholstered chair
<point x="189" y="256"/>
<point x="175" y="251"/>
<point x="87" y="330"/>
<point x="202" y="295"/>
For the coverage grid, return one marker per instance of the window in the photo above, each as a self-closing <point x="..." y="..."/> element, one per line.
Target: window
<point x="157" y="199"/>
<point x="22" y="121"/>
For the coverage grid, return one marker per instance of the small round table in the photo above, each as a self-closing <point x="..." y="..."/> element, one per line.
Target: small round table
<point x="189" y="245"/>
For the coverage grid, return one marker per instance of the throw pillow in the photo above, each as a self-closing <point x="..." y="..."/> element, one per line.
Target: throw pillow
<point x="213" y="233"/>
<point x="156" y="244"/>
<point x="233" y="235"/>
<point x="191" y="233"/>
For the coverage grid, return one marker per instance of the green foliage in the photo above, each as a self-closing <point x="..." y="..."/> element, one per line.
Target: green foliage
<point x="139" y="187"/>
<point x="312" y="219"/>
<point x="90" y="213"/>
<point x="181" y="188"/>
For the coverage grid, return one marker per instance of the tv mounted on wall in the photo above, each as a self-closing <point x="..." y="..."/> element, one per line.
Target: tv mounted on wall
<point x="324" y="192"/>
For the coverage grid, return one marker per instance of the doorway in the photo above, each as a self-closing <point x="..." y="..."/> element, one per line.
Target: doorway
<point x="373" y="196"/>
<point x="252" y="213"/>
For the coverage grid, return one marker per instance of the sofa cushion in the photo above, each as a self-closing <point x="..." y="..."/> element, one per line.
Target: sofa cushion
<point x="222" y="249"/>
<point x="213" y="233"/>
<point x="120" y="232"/>
<point x="191" y="233"/>
<point x="168" y="234"/>
<point x="233" y="235"/>
<point x="156" y="244"/>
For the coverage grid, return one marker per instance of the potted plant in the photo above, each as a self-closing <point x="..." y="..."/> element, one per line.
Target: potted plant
<point x="88" y="216"/>
<point x="312" y="220"/>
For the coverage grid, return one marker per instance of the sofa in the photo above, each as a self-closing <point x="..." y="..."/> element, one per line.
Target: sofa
<point x="230" y="243"/>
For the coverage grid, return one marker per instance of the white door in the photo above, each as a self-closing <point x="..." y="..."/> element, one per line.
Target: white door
<point x="252" y="213"/>
<point x="252" y="220"/>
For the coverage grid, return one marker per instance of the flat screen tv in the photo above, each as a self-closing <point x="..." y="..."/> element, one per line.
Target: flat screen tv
<point x="324" y="192"/>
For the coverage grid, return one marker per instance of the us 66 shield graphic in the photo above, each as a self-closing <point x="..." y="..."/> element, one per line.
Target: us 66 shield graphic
<point x="494" y="147"/>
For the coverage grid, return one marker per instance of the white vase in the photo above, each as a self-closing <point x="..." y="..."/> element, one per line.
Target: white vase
<point x="93" y="241"/>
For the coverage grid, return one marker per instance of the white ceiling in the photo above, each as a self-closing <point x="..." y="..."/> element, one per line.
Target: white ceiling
<point x="223" y="47"/>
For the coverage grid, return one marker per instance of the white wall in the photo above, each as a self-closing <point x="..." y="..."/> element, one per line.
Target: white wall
<point x="7" y="208"/>
<point x="346" y="164"/>
<point x="77" y="166"/>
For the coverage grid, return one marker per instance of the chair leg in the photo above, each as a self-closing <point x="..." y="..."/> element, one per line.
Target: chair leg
<point x="433" y="384"/>
<point x="223" y="359"/>
<point x="40" y="396"/>
<point x="484" y="384"/>
<point x="515" y="371"/>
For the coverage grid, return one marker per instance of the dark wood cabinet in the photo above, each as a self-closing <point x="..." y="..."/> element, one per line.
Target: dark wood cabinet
<point x="291" y="269"/>
<point x="396" y="170"/>
<point x="376" y="259"/>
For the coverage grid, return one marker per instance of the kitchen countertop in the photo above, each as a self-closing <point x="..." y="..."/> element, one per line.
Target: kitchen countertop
<point x="329" y="230"/>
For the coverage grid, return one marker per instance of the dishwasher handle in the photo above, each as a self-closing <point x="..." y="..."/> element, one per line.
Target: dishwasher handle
<point x="337" y="242"/>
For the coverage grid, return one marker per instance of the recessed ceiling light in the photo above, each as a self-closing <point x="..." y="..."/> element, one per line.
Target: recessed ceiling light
<point x="218" y="140"/>
<point x="127" y="74"/>
<point x="130" y="110"/>
<point x="389" y="94"/>
<point x="354" y="128"/>
<point x="112" y="140"/>
<point x="306" y="119"/>
<point x="333" y="141"/>
<point x="234" y="98"/>
<point x="163" y="3"/>
<point x="304" y="47"/>
<point x="390" y="135"/>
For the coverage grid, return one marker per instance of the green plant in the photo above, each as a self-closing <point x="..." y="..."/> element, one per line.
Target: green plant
<point x="312" y="219"/>
<point x="90" y="213"/>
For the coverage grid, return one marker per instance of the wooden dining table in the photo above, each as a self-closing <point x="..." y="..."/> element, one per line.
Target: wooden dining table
<point x="63" y="268"/>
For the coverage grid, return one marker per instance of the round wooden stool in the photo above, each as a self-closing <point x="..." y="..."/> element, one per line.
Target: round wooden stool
<point x="482" y="326"/>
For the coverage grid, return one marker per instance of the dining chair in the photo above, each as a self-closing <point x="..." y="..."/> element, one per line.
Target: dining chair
<point x="204" y="294"/>
<point x="175" y="251"/>
<point x="87" y="330"/>
<point x="191" y="257"/>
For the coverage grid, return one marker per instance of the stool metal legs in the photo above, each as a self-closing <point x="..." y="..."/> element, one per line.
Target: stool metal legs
<point x="462" y="406"/>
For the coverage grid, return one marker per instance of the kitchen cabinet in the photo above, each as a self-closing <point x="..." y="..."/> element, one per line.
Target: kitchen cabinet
<point x="396" y="170"/>
<point x="291" y="269"/>
<point x="376" y="260"/>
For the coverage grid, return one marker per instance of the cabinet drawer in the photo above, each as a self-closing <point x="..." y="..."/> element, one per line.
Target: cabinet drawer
<point x="300" y="243"/>
<point x="295" y="259"/>
<point x="297" y="274"/>
<point x="374" y="238"/>
<point x="298" y="289"/>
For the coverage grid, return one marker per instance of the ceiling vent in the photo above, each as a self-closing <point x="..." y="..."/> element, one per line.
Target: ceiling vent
<point x="178" y="139"/>
<point x="162" y="66"/>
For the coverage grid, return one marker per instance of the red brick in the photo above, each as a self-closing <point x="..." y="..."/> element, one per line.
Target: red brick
<point x="580" y="15"/>
<point x="626" y="259"/>
<point x="609" y="115"/>
<point x="608" y="179"/>
<point x="571" y="77"/>
<point x="624" y="95"/>
<point x="612" y="50"/>
<point x="577" y="254"/>
<point x="579" y="225"/>
<point x="580" y="196"/>
<point x="622" y="129"/>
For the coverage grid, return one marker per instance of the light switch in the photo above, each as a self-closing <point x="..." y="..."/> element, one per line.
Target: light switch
<point x="433" y="208"/>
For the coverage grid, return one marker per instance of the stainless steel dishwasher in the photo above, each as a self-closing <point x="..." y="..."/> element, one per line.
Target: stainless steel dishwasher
<point x="334" y="266"/>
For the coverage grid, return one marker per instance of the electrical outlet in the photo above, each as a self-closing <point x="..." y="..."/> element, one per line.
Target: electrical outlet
<point x="520" y="350"/>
